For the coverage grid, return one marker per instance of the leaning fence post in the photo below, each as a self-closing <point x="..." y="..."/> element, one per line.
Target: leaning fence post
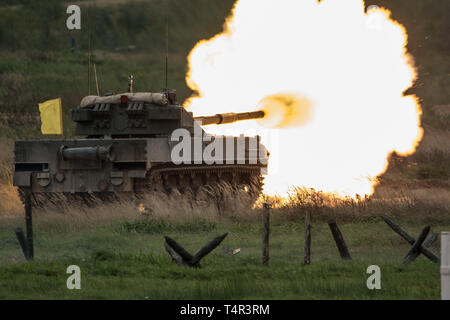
<point x="339" y="239"/>
<point x="445" y="265"/>
<point x="29" y="224"/>
<point x="265" y="234"/>
<point x="307" y="257"/>
<point x="22" y="241"/>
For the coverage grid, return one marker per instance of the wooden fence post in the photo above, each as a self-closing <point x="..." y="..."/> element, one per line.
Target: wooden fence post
<point x="265" y="234"/>
<point x="22" y="241"/>
<point x="339" y="239"/>
<point x="307" y="257"/>
<point x="445" y="265"/>
<point x="29" y="224"/>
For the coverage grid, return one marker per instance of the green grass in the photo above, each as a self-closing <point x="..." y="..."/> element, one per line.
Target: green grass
<point x="149" y="226"/>
<point x="121" y="263"/>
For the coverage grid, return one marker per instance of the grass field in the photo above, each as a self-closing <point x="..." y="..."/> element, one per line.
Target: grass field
<point x="118" y="262"/>
<point x="121" y="253"/>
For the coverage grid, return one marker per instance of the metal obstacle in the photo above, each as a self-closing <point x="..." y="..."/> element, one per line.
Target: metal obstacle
<point x="419" y="245"/>
<point x="182" y="257"/>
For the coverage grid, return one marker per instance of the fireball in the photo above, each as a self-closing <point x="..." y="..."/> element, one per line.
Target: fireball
<point x="331" y="77"/>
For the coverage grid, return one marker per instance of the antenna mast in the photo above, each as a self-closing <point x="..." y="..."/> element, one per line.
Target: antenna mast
<point x="89" y="53"/>
<point x="167" y="45"/>
<point x="89" y="66"/>
<point x="96" y="80"/>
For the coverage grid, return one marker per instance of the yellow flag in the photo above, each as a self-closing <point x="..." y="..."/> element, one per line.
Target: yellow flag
<point x="51" y="117"/>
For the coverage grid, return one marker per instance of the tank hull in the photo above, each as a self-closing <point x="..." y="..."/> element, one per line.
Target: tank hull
<point x="106" y="168"/>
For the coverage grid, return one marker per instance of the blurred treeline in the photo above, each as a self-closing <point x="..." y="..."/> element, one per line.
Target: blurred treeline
<point x="41" y="25"/>
<point x="428" y="28"/>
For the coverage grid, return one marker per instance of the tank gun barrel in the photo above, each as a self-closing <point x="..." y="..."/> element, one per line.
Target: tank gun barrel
<point x="223" y="118"/>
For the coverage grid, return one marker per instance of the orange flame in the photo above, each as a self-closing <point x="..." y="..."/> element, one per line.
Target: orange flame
<point x="331" y="79"/>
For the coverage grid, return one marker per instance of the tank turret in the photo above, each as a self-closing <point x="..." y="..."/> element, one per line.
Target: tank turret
<point x="142" y="115"/>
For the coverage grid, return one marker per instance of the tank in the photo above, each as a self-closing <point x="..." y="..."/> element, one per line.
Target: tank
<point x="135" y="143"/>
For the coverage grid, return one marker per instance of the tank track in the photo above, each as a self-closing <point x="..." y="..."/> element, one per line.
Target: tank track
<point x="185" y="178"/>
<point x="216" y="184"/>
<point x="198" y="181"/>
